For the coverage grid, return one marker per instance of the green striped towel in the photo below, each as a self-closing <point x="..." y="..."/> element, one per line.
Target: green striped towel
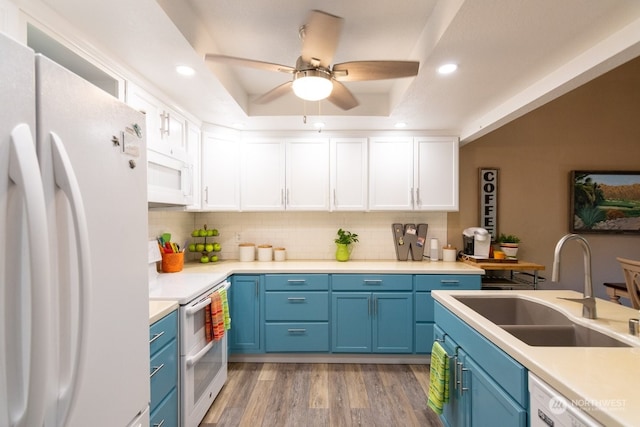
<point x="438" y="378"/>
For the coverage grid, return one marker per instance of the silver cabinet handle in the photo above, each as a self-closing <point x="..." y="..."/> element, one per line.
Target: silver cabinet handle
<point x="372" y="282"/>
<point x="461" y="378"/>
<point x="369" y="306"/>
<point x="155" y="370"/>
<point x="160" y="424"/>
<point x="206" y="194"/>
<point x="449" y="282"/>
<point x="296" y="299"/>
<point x="296" y="330"/>
<point x="296" y="281"/>
<point x="168" y="124"/>
<point x="334" y="197"/>
<point x="375" y="306"/>
<point x="282" y="196"/>
<point x="411" y="192"/>
<point x="257" y="288"/>
<point x="287" y="200"/>
<point x="156" y="336"/>
<point x="418" y="196"/>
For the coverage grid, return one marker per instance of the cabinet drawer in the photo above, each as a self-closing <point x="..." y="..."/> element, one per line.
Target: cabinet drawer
<point x="424" y="337"/>
<point x="166" y="414"/>
<point x="297" y="337"/>
<point x="163" y="372"/>
<point x="371" y="282"/>
<point x="428" y="282"/>
<point x="424" y="307"/>
<point x="303" y="282"/>
<point x="296" y="306"/>
<point x="163" y="331"/>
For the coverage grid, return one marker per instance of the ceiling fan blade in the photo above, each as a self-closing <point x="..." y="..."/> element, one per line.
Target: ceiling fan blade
<point x="320" y="38"/>
<point x="274" y="93"/>
<point x="261" y="65"/>
<point x="374" y="70"/>
<point x="342" y="97"/>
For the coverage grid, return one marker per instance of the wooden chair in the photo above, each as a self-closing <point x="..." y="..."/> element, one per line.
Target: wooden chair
<point x="631" y="270"/>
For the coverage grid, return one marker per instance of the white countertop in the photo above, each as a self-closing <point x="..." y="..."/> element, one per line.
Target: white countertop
<point x="159" y="309"/>
<point x="605" y="376"/>
<point x="195" y="279"/>
<point x="329" y="266"/>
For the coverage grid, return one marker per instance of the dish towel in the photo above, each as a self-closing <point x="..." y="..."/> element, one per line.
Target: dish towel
<point x="225" y="309"/>
<point x="438" y="378"/>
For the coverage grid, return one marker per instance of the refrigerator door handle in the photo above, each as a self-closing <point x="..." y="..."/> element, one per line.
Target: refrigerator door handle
<point x="66" y="180"/>
<point x="24" y="171"/>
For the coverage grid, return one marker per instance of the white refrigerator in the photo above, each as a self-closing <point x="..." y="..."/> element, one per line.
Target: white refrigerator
<point x="74" y="325"/>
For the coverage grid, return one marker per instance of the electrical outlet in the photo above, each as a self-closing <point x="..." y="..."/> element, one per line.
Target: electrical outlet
<point x="238" y="238"/>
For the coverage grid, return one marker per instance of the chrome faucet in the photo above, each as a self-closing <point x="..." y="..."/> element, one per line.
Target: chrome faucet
<point x="589" y="301"/>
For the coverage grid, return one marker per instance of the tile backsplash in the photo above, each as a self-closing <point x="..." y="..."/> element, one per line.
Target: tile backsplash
<point x="305" y="235"/>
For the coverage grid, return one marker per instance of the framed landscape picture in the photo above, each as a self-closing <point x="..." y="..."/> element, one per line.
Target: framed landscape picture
<point x="605" y="202"/>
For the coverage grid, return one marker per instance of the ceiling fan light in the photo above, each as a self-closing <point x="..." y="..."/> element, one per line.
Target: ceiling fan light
<point x="312" y="85"/>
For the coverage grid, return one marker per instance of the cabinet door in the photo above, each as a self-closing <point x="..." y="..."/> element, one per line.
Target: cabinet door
<point x="194" y="143"/>
<point x="454" y="412"/>
<point x="307" y="175"/>
<point x="349" y="173"/>
<point x="393" y="322"/>
<point x="220" y="174"/>
<point x="436" y="174"/>
<point x="245" y="315"/>
<point x="175" y="132"/>
<point x="391" y="174"/>
<point x="351" y="322"/>
<point x="488" y="403"/>
<point x="263" y="176"/>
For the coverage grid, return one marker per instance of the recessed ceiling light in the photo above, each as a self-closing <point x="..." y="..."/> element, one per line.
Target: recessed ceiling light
<point x="447" y="68"/>
<point x="400" y="125"/>
<point x="185" y="70"/>
<point x="319" y="125"/>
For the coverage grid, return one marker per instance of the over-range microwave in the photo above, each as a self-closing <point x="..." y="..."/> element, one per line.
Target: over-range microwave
<point x="169" y="180"/>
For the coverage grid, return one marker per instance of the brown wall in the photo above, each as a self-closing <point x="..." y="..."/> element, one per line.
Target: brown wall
<point x="596" y="126"/>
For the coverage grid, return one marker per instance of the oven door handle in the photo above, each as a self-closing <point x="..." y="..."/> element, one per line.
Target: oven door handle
<point x="192" y="360"/>
<point x="191" y="310"/>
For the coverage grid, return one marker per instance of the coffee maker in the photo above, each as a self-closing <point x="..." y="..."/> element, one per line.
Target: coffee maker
<point x="476" y="242"/>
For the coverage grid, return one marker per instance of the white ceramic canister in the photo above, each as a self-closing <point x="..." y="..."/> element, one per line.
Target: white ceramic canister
<point x="265" y="253"/>
<point x="247" y="252"/>
<point x="434" y="249"/>
<point x="449" y="254"/>
<point x="279" y="254"/>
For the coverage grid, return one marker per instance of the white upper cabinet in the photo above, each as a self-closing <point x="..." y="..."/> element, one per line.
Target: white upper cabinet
<point x="414" y="174"/>
<point x="166" y="129"/>
<point x="436" y="174"/>
<point x="307" y="176"/>
<point x="292" y="175"/>
<point x="348" y="174"/>
<point x="194" y="150"/>
<point x="391" y="174"/>
<point x="262" y="176"/>
<point x="220" y="173"/>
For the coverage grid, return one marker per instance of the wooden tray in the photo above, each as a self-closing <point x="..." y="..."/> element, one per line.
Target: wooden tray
<point x="492" y="260"/>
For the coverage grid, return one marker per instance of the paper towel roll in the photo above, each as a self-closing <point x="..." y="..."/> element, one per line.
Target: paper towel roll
<point x="435" y="248"/>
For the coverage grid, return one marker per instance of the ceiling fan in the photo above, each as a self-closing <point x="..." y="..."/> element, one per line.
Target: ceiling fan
<point x="313" y="76"/>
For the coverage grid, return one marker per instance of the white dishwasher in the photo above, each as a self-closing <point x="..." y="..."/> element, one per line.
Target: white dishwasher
<point x="548" y="408"/>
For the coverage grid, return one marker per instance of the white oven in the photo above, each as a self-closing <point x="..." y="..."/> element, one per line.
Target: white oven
<point x="203" y="366"/>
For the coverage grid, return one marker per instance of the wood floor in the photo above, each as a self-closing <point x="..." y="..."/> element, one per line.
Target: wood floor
<point x="319" y="394"/>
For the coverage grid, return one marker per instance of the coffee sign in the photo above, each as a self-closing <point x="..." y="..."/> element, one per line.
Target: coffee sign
<point x="489" y="200"/>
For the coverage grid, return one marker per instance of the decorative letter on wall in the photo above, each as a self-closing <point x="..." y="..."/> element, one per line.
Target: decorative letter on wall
<point x="489" y="200"/>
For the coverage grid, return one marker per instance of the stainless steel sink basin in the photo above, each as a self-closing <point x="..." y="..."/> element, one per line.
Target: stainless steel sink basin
<point x="536" y="324"/>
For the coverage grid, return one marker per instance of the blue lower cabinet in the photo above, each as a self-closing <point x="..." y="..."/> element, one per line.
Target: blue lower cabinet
<point x="244" y="306"/>
<point x="366" y="322"/>
<point x="166" y="413"/>
<point x="163" y="371"/>
<point x="297" y="337"/>
<point x="424" y="306"/>
<point x="490" y="386"/>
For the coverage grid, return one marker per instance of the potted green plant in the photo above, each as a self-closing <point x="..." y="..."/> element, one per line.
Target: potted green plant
<point x="509" y="244"/>
<point x="343" y="241"/>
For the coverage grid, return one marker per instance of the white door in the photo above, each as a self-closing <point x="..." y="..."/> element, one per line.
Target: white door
<point x="104" y="305"/>
<point x="391" y="173"/>
<point x="307" y="175"/>
<point x="263" y="176"/>
<point x="349" y="174"/>
<point x="436" y="174"/>
<point x="220" y="174"/>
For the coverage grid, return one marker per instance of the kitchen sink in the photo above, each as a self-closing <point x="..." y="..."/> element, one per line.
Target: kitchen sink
<point x="537" y="324"/>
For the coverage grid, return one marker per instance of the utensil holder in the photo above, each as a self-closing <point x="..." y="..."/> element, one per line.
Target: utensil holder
<point x="172" y="262"/>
